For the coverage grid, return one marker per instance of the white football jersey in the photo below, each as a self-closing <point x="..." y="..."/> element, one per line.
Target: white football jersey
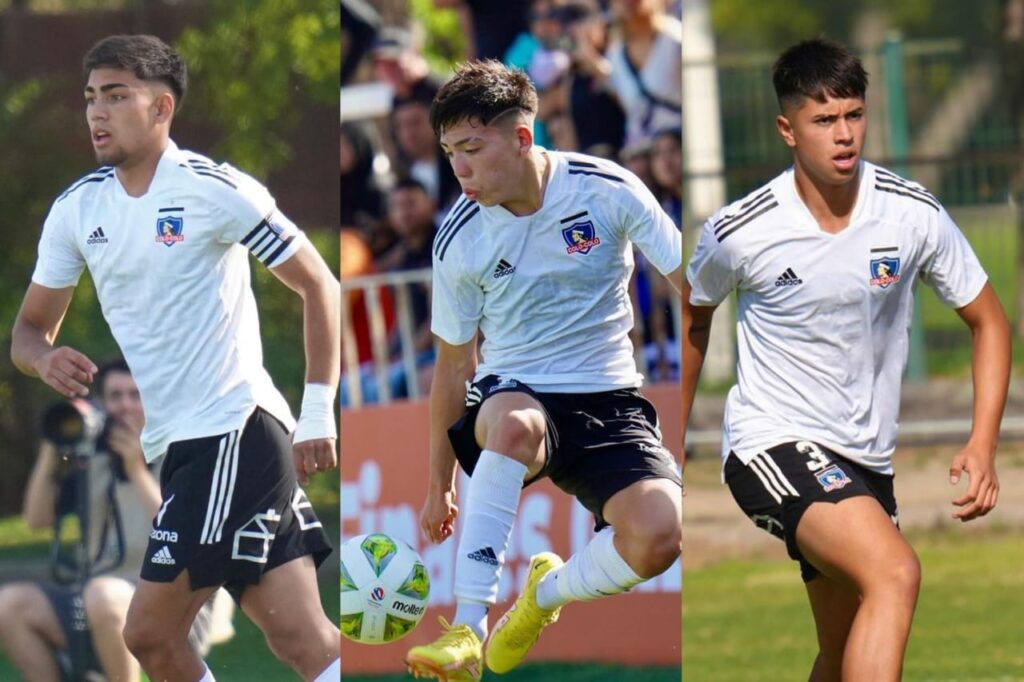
<point x="549" y="291"/>
<point x="823" y="319"/>
<point x="172" y="276"/>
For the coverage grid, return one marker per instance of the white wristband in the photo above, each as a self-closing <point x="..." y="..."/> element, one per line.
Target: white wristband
<point x="316" y="418"/>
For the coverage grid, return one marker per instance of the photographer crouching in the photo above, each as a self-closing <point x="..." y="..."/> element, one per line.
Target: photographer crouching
<point x="70" y="629"/>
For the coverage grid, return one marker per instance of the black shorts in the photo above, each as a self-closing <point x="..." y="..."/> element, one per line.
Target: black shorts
<point x="779" y="484"/>
<point x="232" y="509"/>
<point x="596" y="443"/>
<point x="78" y="656"/>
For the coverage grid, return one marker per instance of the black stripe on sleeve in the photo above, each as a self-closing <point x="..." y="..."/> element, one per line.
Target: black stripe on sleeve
<point x="456" y="214"/>
<point x="909" y="195"/>
<point x="745" y="210"/>
<point x="722" y="237"/>
<point x="262" y="224"/>
<point x="606" y="176"/>
<point x="455" y="231"/>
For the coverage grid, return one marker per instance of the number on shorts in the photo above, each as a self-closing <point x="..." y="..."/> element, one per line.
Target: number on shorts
<point x="819" y="460"/>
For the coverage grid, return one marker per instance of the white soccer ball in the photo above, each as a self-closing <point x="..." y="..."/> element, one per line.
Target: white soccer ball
<point x="384" y="589"/>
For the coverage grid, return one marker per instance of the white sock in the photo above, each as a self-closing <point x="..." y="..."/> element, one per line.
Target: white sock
<point x="598" y="571"/>
<point x="207" y="676"/>
<point x="332" y="673"/>
<point x="473" y="614"/>
<point x="490" y="509"/>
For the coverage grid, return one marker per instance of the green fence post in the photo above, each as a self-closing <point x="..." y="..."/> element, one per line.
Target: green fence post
<point x="899" y="151"/>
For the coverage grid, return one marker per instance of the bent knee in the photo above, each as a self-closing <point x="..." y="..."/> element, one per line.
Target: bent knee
<point x="107" y="600"/>
<point x="516" y="434"/>
<point x="651" y="551"/>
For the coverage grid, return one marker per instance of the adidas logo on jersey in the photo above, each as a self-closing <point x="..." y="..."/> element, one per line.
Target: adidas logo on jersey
<point x="485" y="555"/>
<point x="503" y="269"/>
<point x="163" y="556"/>
<point x="788" y="279"/>
<point x="97" y="237"/>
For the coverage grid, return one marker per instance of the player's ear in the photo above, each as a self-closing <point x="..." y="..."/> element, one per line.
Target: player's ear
<point x="165" y="106"/>
<point x="524" y="135"/>
<point x="785" y="128"/>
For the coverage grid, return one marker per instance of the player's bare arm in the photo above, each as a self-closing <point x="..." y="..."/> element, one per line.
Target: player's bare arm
<point x="315" y="438"/>
<point x="63" y="369"/>
<point x="455" y="366"/>
<point x="696" y="331"/>
<point x="675" y="278"/>
<point x="991" y="369"/>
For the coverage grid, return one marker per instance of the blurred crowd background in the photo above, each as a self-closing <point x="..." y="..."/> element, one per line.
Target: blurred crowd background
<point x="608" y="75"/>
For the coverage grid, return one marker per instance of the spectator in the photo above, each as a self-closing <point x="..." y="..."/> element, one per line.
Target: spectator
<point x="359" y="20"/>
<point x="667" y="171"/>
<point x="597" y="118"/>
<point x="491" y="25"/>
<point x="54" y="631"/>
<point x="540" y="53"/>
<point x="398" y="61"/>
<point x="362" y="197"/>
<point x="646" y="67"/>
<point x="420" y="155"/>
<point x="411" y="214"/>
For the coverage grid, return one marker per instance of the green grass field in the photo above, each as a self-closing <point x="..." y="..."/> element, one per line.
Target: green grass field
<point x="748" y="621"/>
<point x="555" y="672"/>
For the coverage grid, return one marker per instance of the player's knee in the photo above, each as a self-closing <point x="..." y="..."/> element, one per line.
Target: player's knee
<point x="652" y="549"/>
<point x="144" y="638"/>
<point x="905" y="574"/>
<point x="290" y="645"/>
<point x="516" y="434"/>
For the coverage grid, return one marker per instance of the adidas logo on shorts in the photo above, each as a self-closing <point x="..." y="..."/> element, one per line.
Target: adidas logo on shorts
<point x="163" y="556"/>
<point x="485" y="555"/>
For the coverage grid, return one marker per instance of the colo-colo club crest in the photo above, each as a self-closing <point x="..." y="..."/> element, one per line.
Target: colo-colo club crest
<point x="884" y="271"/>
<point x="168" y="230"/>
<point x="581" y="238"/>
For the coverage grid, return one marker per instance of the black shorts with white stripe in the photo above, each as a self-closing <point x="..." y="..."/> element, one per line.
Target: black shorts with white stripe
<point x="779" y="484"/>
<point x="232" y="509"/>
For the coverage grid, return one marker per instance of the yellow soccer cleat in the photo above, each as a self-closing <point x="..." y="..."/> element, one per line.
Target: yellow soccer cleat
<point x="518" y="630"/>
<point x="455" y="656"/>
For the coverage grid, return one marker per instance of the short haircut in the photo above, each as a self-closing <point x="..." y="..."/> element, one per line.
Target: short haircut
<point x="818" y="69"/>
<point x="482" y="91"/>
<point x="410" y="183"/>
<point x="148" y="57"/>
<point x="105" y="370"/>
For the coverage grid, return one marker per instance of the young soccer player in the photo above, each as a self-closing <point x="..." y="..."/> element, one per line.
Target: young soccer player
<point x="166" y="235"/>
<point x="824" y="259"/>
<point x="536" y="256"/>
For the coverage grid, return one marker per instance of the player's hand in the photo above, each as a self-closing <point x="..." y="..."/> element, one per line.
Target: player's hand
<point x="311" y="456"/>
<point x="438" y="516"/>
<point x="66" y="371"/>
<point x="983" y="490"/>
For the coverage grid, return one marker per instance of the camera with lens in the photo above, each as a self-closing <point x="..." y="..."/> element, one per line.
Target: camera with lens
<point x="79" y="428"/>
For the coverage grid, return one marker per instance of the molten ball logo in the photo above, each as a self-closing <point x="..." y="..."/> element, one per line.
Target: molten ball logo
<point x="377" y="594"/>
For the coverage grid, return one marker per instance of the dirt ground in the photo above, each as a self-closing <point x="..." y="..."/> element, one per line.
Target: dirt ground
<point x="714" y="529"/>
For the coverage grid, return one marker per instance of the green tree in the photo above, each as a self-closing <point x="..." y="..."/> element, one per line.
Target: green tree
<point x="253" y="65"/>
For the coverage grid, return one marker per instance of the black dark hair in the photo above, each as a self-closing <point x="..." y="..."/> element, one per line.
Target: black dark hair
<point x="818" y="69"/>
<point x="410" y="183"/>
<point x="481" y="91"/>
<point x="114" y="365"/>
<point x="148" y="57"/>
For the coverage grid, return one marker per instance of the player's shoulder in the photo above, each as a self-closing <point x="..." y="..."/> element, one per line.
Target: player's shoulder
<point x="744" y="217"/>
<point x="460" y="222"/>
<point x="597" y="178"/>
<point x="88" y="184"/>
<point x="205" y="175"/>
<point x="891" y="191"/>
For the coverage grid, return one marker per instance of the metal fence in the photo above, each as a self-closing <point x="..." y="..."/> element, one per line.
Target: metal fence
<point x="936" y="116"/>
